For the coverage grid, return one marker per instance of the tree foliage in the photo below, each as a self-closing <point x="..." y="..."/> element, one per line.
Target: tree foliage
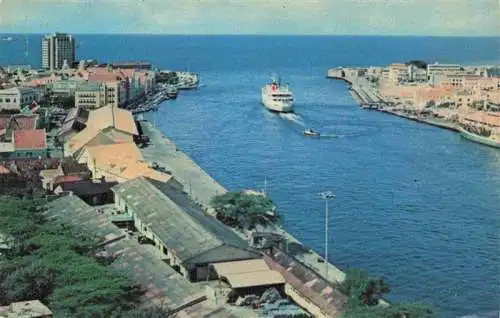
<point x="245" y="211"/>
<point x="170" y="78"/>
<point x="365" y="292"/>
<point x="56" y="264"/>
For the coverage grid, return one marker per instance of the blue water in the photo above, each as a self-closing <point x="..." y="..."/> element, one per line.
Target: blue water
<point x="415" y="204"/>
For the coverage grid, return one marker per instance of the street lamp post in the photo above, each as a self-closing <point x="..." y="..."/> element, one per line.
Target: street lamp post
<point x="326" y="195"/>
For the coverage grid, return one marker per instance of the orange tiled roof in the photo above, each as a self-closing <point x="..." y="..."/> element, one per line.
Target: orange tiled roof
<point x="111" y="116"/>
<point x="33" y="139"/>
<point x="124" y="161"/>
<point x="62" y="179"/>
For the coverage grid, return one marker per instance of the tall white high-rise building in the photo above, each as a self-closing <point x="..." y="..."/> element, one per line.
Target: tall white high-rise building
<point x="57" y="48"/>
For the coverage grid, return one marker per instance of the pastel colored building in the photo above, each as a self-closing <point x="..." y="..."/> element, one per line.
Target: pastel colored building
<point x="25" y="144"/>
<point x="120" y="162"/>
<point x="17" y="97"/>
<point x="398" y="72"/>
<point x="106" y="125"/>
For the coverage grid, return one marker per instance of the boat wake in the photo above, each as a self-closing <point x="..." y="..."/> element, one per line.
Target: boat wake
<point x="493" y="314"/>
<point x="294" y="118"/>
<point x="329" y="136"/>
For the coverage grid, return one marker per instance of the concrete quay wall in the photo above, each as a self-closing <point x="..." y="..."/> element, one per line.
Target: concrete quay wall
<point x="363" y="94"/>
<point x="202" y="187"/>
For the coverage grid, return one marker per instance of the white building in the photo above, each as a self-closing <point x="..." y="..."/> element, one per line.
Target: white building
<point x="416" y="74"/>
<point x="16" y="97"/>
<point x="56" y="49"/>
<point x="444" y="69"/>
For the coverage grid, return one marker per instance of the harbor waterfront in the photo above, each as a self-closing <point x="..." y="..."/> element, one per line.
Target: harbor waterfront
<point x="413" y="204"/>
<point x="202" y="187"/>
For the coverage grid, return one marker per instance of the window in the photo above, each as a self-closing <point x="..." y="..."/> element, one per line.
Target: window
<point x="1" y="100"/>
<point x="7" y="100"/>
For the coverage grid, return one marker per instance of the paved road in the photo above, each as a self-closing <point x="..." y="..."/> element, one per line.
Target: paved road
<point x="203" y="187"/>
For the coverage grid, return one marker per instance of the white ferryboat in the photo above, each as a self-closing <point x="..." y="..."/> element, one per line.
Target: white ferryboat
<point x="277" y="97"/>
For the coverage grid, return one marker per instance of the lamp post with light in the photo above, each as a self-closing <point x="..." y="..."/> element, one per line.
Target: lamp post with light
<point x="326" y="195"/>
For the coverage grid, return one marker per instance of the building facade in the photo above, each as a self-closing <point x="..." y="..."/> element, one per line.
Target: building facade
<point x="444" y="69"/>
<point x="16" y="97"/>
<point x="57" y="49"/>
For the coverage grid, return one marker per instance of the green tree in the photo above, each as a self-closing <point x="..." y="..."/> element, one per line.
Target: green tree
<point x="241" y="210"/>
<point x="364" y="294"/>
<point x="56" y="263"/>
<point x="361" y="288"/>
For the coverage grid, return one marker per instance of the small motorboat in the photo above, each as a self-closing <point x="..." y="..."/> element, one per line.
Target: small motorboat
<point x="310" y="132"/>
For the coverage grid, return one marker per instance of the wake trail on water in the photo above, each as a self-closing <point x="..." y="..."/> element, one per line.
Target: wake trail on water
<point x="293" y="118"/>
<point x="298" y="120"/>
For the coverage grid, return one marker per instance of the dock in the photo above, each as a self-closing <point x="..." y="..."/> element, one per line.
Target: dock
<point x="368" y="98"/>
<point x="202" y="187"/>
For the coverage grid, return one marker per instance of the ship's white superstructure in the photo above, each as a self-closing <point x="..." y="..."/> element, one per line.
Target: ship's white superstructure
<point x="277" y="97"/>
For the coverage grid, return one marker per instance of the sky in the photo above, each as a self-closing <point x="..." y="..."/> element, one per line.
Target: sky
<point x="322" y="17"/>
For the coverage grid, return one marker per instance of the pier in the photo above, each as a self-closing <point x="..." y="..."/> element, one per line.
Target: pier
<point x="365" y="93"/>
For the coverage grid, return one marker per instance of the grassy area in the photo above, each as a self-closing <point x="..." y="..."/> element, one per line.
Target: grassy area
<point x="57" y="264"/>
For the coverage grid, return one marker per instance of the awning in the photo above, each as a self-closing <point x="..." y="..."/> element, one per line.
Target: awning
<point x="239" y="267"/>
<point x="249" y="273"/>
<point x="261" y="278"/>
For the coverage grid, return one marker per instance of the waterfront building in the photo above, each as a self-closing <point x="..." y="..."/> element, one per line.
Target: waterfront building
<point x="115" y="85"/>
<point x="444" y="69"/>
<point x="162" y="285"/>
<point x="91" y="96"/>
<point x="105" y="125"/>
<point x="67" y="87"/>
<point x="132" y="65"/>
<point x="398" y="72"/>
<point x="57" y="49"/>
<point x="120" y="162"/>
<point x="189" y="239"/>
<point x="16" y="97"/>
<point x="426" y="96"/>
<point x="416" y="74"/>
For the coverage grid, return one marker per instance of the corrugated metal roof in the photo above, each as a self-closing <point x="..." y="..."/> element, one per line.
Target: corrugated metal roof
<point x="163" y="284"/>
<point x="73" y="210"/>
<point x="194" y="236"/>
<point x="246" y="266"/>
<point x="260" y="278"/>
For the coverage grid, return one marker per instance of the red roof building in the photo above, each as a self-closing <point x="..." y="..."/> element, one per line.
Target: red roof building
<point x="34" y="139"/>
<point x="62" y="179"/>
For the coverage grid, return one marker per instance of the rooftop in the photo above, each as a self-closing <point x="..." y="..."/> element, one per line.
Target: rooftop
<point x="164" y="286"/>
<point x="124" y="160"/>
<point x="62" y="179"/>
<point x="162" y="283"/>
<point x="34" y="139"/>
<point x="70" y="166"/>
<point x="18" y="121"/>
<point x="111" y="116"/>
<point x="195" y="236"/>
<point x="72" y="210"/>
<point x="87" y="187"/>
<point x="25" y="309"/>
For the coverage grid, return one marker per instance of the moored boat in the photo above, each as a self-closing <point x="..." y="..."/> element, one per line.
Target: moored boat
<point x="479" y="139"/>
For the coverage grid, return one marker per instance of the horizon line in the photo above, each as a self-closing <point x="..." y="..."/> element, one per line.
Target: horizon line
<point x="255" y="34"/>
